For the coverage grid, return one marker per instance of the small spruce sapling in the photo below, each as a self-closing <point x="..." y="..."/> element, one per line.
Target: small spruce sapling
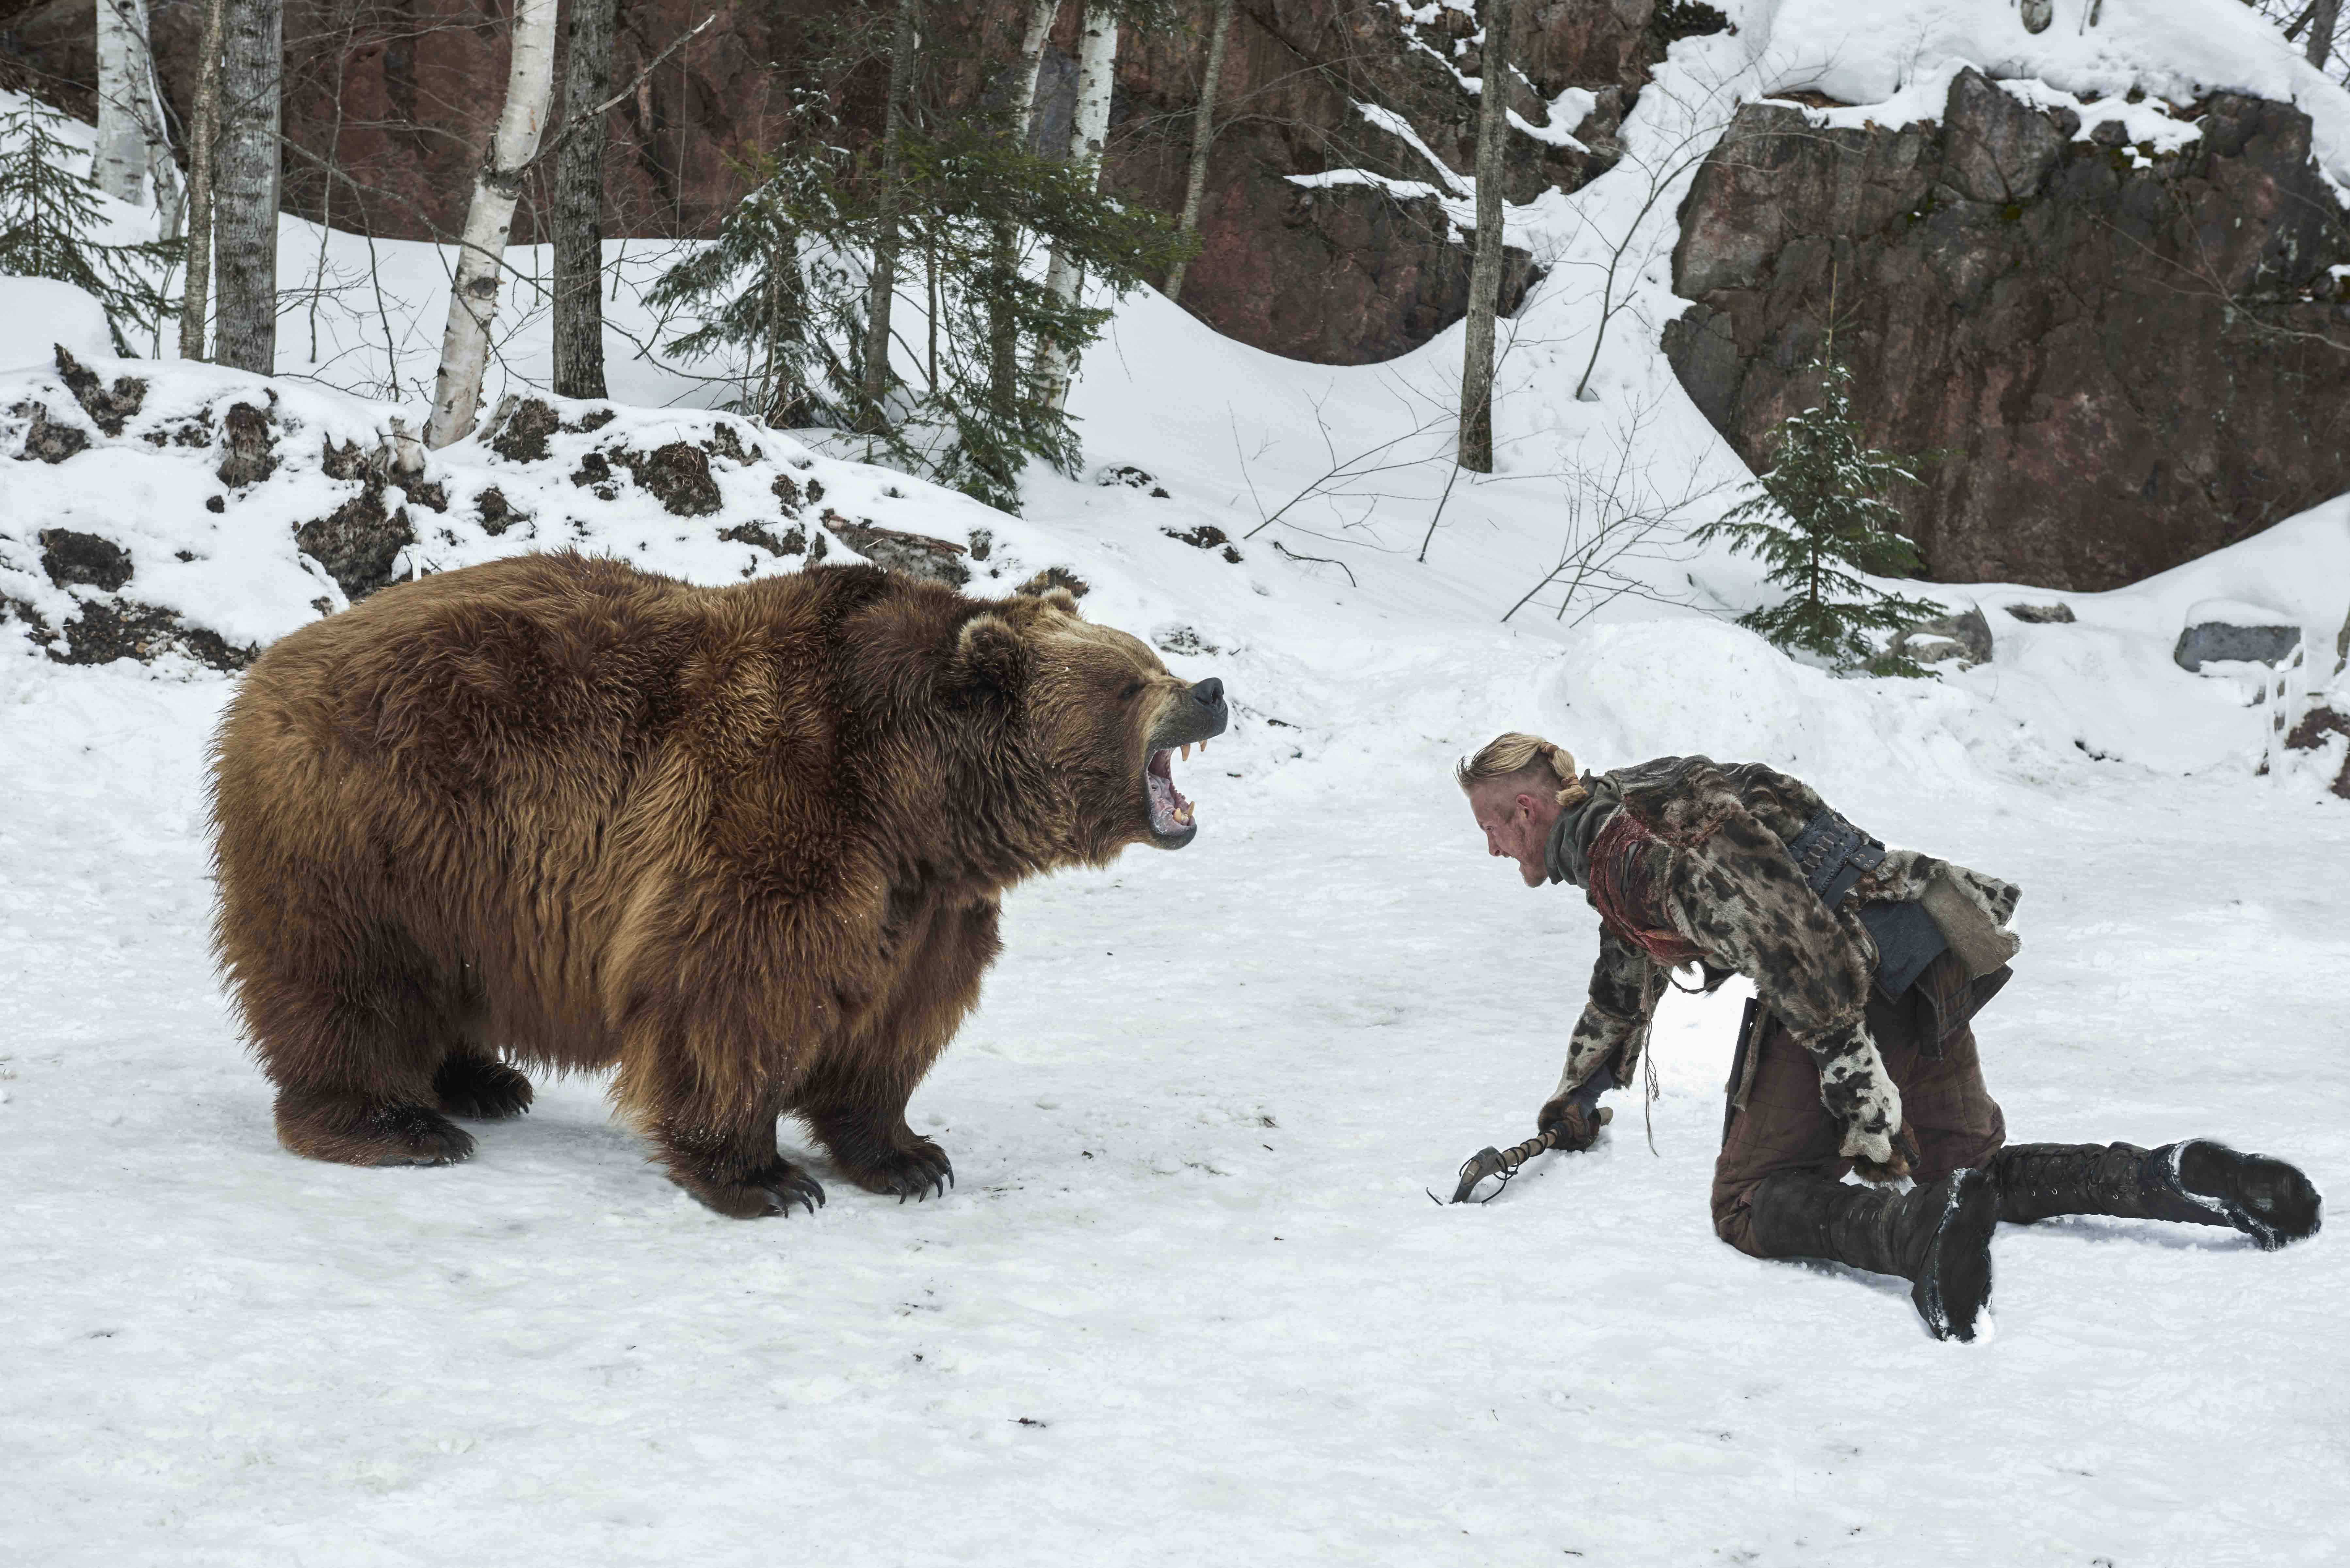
<point x="1820" y="518"/>
<point x="47" y="220"/>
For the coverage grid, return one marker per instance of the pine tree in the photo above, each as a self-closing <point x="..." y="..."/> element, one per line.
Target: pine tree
<point x="1820" y="518"/>
<point x="784" y="287"/>
<point x="47" y="216"/>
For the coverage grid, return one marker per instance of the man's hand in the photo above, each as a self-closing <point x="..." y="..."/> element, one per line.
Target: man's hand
<point x="1576" y="1120"/>
<point x="1904" y="1158"/>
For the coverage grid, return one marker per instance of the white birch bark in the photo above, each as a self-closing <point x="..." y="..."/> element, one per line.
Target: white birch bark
<point x="118" y="164"/>
<point x="474" y="294"/>
<point x="1042" y="13"/>
<point x="1089" y="132"/>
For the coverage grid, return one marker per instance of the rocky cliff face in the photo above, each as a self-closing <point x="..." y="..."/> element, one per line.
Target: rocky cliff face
<point x="401" y="93"/>
<point x="2117" y="358"/>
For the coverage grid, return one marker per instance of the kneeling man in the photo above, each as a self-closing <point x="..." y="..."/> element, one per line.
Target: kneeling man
<point x="1856" y="1054"/>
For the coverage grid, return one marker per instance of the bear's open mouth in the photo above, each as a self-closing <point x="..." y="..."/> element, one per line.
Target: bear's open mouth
<point x="1170" y="812"/>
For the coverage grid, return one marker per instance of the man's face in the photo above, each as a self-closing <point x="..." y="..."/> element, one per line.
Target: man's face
<point x="1517" y="825"/>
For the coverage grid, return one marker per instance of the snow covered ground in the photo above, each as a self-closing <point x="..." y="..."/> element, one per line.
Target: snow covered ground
<point x="1190" y="1301"/>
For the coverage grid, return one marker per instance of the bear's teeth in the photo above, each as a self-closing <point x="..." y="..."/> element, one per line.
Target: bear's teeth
<point x="1187" y="751"/>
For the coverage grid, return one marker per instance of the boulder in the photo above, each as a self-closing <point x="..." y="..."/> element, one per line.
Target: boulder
<point x="1965" y="637"/>
<point x="2223" y="631"/>
<point x="2059" y="614"/>
<point x="70" y="557"/>
<point x="2118" y="356"/>
<point x="915" y="555"/>
<point x="359" y="544"/>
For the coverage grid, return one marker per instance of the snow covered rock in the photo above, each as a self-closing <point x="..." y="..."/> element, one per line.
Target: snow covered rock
<point x="1965" y="637"/>
<point x="2229" y="632"/>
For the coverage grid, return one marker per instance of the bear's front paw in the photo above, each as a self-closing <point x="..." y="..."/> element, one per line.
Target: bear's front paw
<point x="915" y="1171"/>
<point x="772" y="1189"/>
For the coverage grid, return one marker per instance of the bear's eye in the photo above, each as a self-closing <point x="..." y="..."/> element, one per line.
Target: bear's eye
<point x="1133" y="690"/>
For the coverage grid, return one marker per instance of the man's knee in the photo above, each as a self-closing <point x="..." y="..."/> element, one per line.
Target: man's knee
<point x="1734" y="1219"/>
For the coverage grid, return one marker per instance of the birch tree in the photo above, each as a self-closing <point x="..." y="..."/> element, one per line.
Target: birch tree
<point x="1203" y="133"/>
<point x="481" y="251"/>
<point x="118" y="162"/>
<point x="203" y="134"/>
<point x="245" y="184"/>
<point x="1089" y="133"/>
<point x="580" y="204"/>
<point x="882" y="288"/>
<point x="1476" y="444"/>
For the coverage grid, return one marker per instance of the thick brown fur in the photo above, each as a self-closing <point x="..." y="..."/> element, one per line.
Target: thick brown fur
<point x="745" y="845"/>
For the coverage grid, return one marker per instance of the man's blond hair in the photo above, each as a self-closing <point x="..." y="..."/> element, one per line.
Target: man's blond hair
<point x="1515" y="755"/>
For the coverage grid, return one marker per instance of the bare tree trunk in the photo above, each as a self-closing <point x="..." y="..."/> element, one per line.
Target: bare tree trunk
<point x="245" y="181"/>
<point x="579" y="205"/>
<point x="2322" y="20"/>
<point x="489" y="219"/>
<point x="204" y="133"/>
<point x="1476" y="442"/>
<point x="1203" y="133"/>
<point x="162" y="174"/>
<point x="1089" y="132"/>
<point x="883" y="284"/>
<point x="118" y="161"/>
<point x="1003" y="335"/>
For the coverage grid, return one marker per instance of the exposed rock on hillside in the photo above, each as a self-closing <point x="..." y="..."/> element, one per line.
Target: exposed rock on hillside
<point x="2124" y="356"/>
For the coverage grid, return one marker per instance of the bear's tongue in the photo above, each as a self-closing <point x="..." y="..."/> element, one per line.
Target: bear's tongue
<point x="1169" y="810"/>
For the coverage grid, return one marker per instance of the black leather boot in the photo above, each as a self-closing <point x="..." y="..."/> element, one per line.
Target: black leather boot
<point x="1936" y="1237"/>
<point x="2196" y="1182"/>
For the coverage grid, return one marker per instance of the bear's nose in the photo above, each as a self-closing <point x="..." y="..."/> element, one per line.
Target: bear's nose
<point x="1207" y="693"/>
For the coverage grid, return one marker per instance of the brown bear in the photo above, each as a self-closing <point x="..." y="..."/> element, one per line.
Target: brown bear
<point x="745" y="842"/>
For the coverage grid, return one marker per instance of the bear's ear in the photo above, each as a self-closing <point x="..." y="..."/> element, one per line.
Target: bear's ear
<point x="1061" y="600"/>
<point x="989" y="655"/>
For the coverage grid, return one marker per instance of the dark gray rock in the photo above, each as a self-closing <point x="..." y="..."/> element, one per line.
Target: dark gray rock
<point x="359" y="544"/>
<point x="792" y="541"/>
<point x="1965" y="637"/>
<point x="521" y="435"/>
<point x="915" y="555"/>
<point x="70" y="556"/>
<point x="2215" y="641"/>
<point x="2043" y="615"/>
<point x="108" y="408"/>
<point x="677" y="475"/>
<point x="247" y="457"/>
<point x="46" y="441"/>
<point x="103" y="631"/>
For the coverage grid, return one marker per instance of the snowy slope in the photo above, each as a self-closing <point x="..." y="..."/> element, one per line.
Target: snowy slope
<point x="1189" y="1303"/>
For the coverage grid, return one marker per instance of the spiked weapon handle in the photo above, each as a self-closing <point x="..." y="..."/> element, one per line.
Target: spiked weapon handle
<point x="1504" y="1162"/>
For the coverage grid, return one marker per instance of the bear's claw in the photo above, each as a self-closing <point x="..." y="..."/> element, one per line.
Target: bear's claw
<point x="787" y="1184"/>
<point x="915" y="1173"/>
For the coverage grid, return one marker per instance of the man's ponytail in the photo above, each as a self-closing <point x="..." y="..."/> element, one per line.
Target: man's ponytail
<point x="1509" y="755"/>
